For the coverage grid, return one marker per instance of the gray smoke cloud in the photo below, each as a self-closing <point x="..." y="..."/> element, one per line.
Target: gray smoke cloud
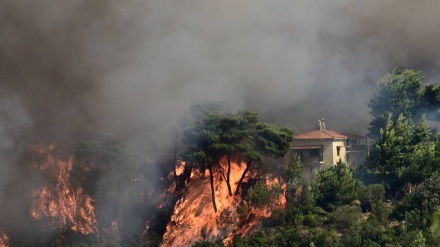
<point x="72" y="69"/>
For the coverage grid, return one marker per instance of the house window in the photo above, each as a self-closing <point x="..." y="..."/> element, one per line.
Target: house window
<point x="338" y="151"/>
<point x="314" y="153"/>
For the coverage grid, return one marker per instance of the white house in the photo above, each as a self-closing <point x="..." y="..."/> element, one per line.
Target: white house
<point x="324" y="147"/>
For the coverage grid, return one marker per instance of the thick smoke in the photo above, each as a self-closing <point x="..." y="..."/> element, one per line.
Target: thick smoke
<point x="72" y="69"/>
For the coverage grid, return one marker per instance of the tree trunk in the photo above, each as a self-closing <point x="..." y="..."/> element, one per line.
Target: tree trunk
<point x="211" y="178"/>
<point x="176" y="179"/>
<point x="248" y="166"/>
<point x="187" y="172"/>
<point x="228" y="176"/>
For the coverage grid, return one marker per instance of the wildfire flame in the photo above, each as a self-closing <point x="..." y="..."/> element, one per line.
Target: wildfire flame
<point x="4" y="240"/>
<point x="194" y="219"/>
<point x="67" y="207"/>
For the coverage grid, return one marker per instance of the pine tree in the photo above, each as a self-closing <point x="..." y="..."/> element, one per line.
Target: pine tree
<point x="219" y="135"/>
<point x="399" y="92"/>
<point x="393" y="148"/>
<point x="333" y="186"/>
<point x="422" y="133"/>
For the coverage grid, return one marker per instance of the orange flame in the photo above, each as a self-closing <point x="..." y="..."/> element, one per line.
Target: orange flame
<point x="194" y="219"/>
<point x="4" y="240"/>
<point x="67" y="207"/>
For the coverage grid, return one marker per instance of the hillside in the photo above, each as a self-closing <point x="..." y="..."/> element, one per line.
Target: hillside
<point x="194" y="218"/>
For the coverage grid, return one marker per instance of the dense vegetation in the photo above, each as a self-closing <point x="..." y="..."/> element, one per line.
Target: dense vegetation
<point x="400" y="92"/>
<point x="393" y="199"/>
<point x="238" y="136"/>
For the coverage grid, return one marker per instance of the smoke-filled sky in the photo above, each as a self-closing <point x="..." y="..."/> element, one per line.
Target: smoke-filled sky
<point x="72" y="69"/>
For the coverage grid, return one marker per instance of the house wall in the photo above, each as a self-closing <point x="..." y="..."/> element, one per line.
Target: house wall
<point x="342" y="151"/>
<point x="326" y="152"/>
<point x="329" y="154"/>
<point x="357" y="152"/>
<point x="327" y="149"/>
<point x="356" y="158"/>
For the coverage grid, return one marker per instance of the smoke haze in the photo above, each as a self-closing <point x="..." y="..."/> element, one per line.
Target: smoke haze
<point x="72" y="69"/>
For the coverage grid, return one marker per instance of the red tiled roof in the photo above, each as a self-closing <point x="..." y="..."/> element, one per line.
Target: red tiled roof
<point x="324" y="134"/>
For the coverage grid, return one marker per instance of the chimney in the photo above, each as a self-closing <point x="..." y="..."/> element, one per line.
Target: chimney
<point x="321" y="124"/>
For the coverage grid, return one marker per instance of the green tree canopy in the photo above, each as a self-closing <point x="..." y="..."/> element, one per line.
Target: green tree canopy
<point x="333" y="186"/>
<point x="263" y="140"/>
<point x="393" y="148"/>
<point x="240" y="135"/>
<point x="400" y="92"/>
<point x="405" y="151"/>
<point x="428" y="193"/>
